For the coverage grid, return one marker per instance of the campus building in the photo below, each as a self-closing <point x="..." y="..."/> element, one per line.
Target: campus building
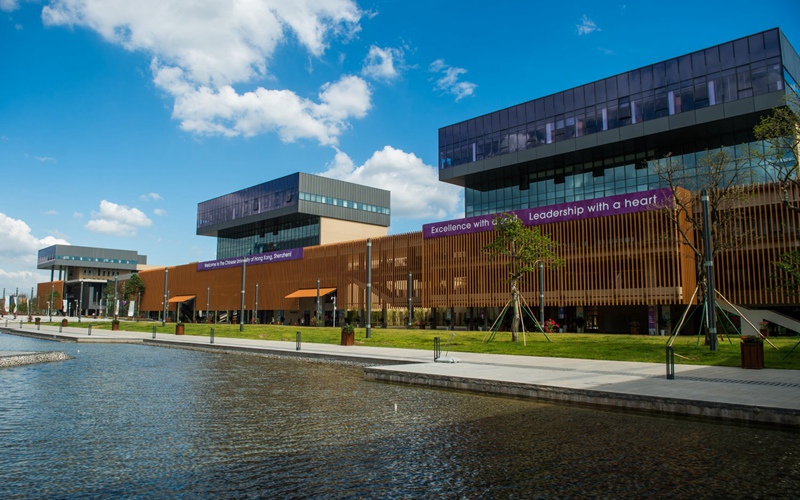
<point x="82" y="270"/>
<point x="299" y="210"/>
<point x="602" y="139"/>
<point x="580" y="164"/>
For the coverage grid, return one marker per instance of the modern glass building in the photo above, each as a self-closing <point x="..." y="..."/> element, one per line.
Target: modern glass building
<point x="83" y="274"/>
<point x="602" y="139"/>
<point x="299" y="210"/>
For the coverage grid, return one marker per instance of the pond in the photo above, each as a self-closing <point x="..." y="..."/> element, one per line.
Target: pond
<point x="143" y="421"/>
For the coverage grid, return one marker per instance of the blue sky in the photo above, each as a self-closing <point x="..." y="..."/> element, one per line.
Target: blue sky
<point x="118" y="117"/>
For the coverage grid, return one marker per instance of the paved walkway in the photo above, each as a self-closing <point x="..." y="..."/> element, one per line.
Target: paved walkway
<point x="762" y="396"/>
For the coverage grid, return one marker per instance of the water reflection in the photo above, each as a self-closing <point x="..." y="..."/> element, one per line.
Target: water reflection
<point x="123" y="420"/>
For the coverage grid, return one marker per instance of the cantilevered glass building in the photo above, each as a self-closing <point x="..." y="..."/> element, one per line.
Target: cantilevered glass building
<point x="295" y="211"/>
<point x="601" y="139"/>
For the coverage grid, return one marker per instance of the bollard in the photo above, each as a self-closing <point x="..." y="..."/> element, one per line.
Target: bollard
<point x="298" y="341"/>
<point x="154" y="332"/>
<point x="20" y="325"/>
<point x="59" y="327"/>
<point x="670" y="363"/>
<point x="437" y="348"/>
<point x="38" y="327"/>
<point x="90" y="329"/>
<point x="212" y="335"/>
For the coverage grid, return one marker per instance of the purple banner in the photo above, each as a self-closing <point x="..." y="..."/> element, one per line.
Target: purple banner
<point x="598" y="207"/>
<point x="259" y="258"/>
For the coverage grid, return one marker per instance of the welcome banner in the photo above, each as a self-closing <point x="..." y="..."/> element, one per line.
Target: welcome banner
<point x="259" y="258"/>
<point x="586" y="209"/>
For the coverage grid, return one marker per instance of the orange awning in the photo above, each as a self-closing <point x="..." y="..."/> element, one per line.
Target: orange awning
<point x="309" y="292"/>
<point x="181" y="298"/>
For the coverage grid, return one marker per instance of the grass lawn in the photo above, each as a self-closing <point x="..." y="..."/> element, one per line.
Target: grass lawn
<point x="616" y="347"/>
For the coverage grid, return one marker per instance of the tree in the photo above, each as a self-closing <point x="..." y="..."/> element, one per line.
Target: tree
<point x="780" y="132"/>
<point x="55" y="305"/>
<point x="789" y="279"/>
<point x="134" y="287"/>
<point x="524" y="248"/>
<point x="725" y="177"/>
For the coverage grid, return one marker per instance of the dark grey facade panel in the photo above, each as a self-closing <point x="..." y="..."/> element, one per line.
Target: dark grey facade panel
<point x="334" y="212"/>
<point x="660" y="134"/>
<point x="90" y="257"/>
<point x="326" y="186"/>
<point x="726" y="75"/>
<point x="215" y="229"/>
<point x="791" y="61"/>
<point x="235" y="205"/>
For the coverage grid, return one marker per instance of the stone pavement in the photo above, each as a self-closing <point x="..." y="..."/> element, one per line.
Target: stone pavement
<point x="766" y="396"/>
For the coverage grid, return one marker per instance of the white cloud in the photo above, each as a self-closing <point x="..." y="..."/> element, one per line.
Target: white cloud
<point x="160" y="212"/>
<point x="382" y="63"/>
<point x="207" y="111"/>
<point x="77" y="215"/>
<point x="118" y="220"/>
<point x="449" y="81"/>
<point x="51" y="212"/>
<point x="23" y="280"/>
<point x="201" y="49"/>
<point x="44" y="159"/>
<point x="18" y="242"/>
<point x="19" y="249"/>
<point x="586" y="26"/>
<point x="150" y="196"/>
<point x="415" y="187"/>
<point x="9" y="5"/>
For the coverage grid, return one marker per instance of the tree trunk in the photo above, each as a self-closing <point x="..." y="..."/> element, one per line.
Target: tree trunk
<point x="515" y="306"/>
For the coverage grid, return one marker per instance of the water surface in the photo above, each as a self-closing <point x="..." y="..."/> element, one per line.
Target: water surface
<point x="141" y="421"/>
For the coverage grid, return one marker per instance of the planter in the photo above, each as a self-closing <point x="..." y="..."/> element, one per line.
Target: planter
<point x="179" y="329"/>
<point x="752" y="355"/>
<point x="64" y="322"/>
<point x="114" y="326"/>
<point x="348" y="338"/>
<point x="37" y="321"/>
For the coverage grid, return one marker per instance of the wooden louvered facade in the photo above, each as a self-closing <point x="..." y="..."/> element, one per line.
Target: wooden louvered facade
<point x="622" y="263"/>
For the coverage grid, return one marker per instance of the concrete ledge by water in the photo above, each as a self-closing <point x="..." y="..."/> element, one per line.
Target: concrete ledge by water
<point x="592" y="398"/>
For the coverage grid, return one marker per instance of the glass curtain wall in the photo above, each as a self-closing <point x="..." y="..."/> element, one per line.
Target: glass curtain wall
<point x="254" y="239"/>
<point x="735" y="70"/>
<point x="580" y="182"/>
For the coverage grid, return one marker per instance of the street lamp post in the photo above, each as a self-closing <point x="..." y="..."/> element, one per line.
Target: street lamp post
<point x="114" y="306"/>
<point x="80" y="303"/>
<point x="708" y="255"/>
<point x="50" y="307"/>
<point x="166" y="281"/>
<point x="369" y="288"/>
<point x="255" y="309"/>
<point x="319" y="304"/>
<point x="241" y="315"/>
<point x="541" y="293"/>
<point x="410" y="305"/>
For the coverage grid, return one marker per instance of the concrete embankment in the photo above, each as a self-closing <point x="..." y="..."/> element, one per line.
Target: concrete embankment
<point x="13" y="358"/>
